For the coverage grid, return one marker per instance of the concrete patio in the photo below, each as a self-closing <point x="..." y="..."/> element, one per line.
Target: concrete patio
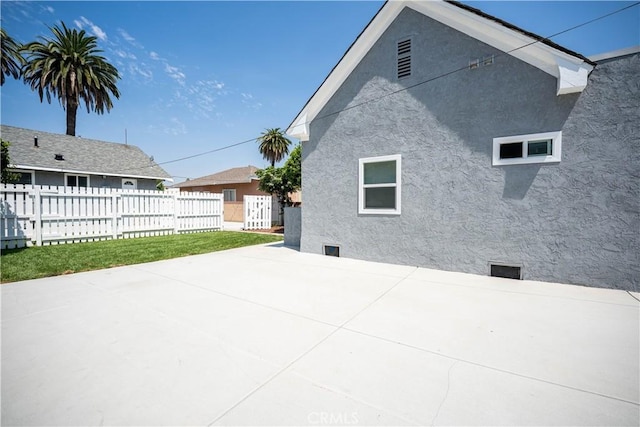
<point x="266" y="335"/>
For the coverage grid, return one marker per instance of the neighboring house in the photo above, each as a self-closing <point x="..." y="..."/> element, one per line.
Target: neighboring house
<point x="44" y="158"/>
<point x="439" y="140"/>
<point x="234" y="183"/>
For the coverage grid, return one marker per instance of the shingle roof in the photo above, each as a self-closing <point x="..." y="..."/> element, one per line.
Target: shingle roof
<point x="229" y="176"/>
<point x="80" y="155"/>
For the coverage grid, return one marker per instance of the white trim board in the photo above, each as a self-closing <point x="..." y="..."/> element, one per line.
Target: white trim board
<point x="570" y="71"/>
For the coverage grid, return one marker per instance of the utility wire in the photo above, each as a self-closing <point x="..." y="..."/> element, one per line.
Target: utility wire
<point x="367" y="101"/>
<point x="467" y="67"/>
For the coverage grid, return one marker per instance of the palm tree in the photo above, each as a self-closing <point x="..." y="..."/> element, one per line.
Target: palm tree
<point x="11" y="58"/>
<point x="273" y="145"/>
<point x="68" y="67"/>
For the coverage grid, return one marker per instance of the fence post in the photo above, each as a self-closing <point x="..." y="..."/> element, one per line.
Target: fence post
<point x="114" y="216"/>
<point x="37" y="210"/>
<point x="176" y="206"/>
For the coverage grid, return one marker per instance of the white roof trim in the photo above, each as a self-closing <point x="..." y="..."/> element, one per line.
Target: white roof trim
<point x="81" y="172"/>
<point x="570" y="71"/>
<point x="615" y="53"/>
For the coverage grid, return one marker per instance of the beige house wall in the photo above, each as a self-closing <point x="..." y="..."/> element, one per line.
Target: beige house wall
<point x="232" y="210"/>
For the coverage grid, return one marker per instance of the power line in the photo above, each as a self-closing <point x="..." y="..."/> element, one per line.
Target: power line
<point x="207" y="152"/>
<point x="466" y="66"/>
<point x="367" y="101"/>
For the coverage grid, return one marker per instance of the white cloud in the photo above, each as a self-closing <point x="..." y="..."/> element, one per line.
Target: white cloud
<point x="93" y="28"/>
<point x="175" y="73"/>
<point x="247" y="99"/>
<point x="176" y="127"/>
<point x="126" y="35"/>
<point x="153" y="55"/>
<point x="141" y="70"/>
<point x="129" y="38"/>
<point x="49" y="9"/>
<point x="123" y="54"/>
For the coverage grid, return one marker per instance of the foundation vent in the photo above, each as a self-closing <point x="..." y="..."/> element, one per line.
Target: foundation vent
<point x="331" y="250"/>
<point x="506" y="271"/>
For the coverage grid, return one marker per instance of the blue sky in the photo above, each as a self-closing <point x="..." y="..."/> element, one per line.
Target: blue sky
<point x="197" y="76"/>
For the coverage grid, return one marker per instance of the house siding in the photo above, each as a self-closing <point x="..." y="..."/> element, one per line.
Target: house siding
<point x="572" y="222"/>
<point x="233" y="211"/>
<point x="57" y="179"/>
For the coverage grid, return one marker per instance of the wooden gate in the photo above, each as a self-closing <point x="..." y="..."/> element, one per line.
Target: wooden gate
<point x="257" y="212"/>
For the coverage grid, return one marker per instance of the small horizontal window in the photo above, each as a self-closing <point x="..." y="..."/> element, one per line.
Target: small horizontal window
<point x="229" y="195"/>
<point x="524" y="149"/>
<point x="379" y="188"/>
<point x="77" y="180"/>
<point x="511" y="150"/>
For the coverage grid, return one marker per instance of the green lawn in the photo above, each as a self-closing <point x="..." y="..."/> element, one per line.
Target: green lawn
<point x="45" y="261"/>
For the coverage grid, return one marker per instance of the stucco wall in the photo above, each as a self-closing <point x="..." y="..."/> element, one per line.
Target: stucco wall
<point x="572" y="222"/>
<point x="292" y="226"/>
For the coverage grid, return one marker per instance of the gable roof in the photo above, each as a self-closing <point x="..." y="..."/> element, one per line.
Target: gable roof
<point x="569" y="68"/>
<point x="81" y="155"/>
<point x="238" y="175"/>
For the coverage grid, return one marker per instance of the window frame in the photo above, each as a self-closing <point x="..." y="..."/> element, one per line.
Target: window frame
<point x="397" y="185"/>
<point x="66" y="175"/>
<point x="232" y="191"/>
<point x="31" y="173"/>
<point x="554" y="157"/>
<point x="133" y="180"/>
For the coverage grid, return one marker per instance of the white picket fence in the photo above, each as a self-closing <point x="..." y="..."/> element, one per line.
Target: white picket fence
<point x="257" y="212"/>
<point x="45" y="215"/>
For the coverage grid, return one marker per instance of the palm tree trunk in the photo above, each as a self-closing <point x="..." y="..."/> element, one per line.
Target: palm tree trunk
<point x="72" y="108"/>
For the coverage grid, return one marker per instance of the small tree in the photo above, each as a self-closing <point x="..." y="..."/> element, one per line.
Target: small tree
<point x="7" y="175"/>
<point x="293" y="165"/>
<point x="282" y="181"/>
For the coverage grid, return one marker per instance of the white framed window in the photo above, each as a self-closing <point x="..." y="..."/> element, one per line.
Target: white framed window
<point x="379" y="188"/>
<point x="76" y="180"/>
<point x="129" y="184"/>
<point x="524" y="149"/>
<point x="24" y="176"/>
<point x="229" y="195"/>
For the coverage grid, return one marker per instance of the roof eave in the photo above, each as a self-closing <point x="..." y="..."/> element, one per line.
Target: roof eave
<point x="84" y="172"/>
<point x="569" y="68"/>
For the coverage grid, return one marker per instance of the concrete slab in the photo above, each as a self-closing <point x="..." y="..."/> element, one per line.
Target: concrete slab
<point x="266" y="335"/>
<point x="578" y="343"/>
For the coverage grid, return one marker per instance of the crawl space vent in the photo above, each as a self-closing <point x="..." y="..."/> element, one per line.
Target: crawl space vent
<point x="506" y="271"/>
<point x="332" y="250"/>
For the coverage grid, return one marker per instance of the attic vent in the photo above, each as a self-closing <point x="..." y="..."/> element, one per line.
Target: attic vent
<point x="58" y="156"/>
<point x="404" y="58"/>
<point x="331" y="250"/>
<point x="506" y="271"/>
<point x="487" y="60"/>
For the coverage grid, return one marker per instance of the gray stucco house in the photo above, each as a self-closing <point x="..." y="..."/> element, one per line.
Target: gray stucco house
<point x="463" y="143"/>
<point x="44" y="158"/>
